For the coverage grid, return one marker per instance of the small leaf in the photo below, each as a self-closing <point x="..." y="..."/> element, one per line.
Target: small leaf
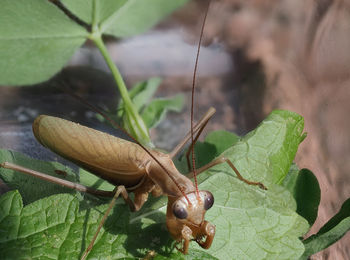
<point x="36" y="41"/>
<point x="156" y="110"/>
<point x="306" y="191"/>
<point x="331" y="232"/>
<point x="141" y="94"/>
<point x="343" y="213"/>
<point x="308" y="195"/>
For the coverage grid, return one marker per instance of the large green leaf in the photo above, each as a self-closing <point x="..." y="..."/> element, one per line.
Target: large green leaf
<point x="122" y="18"/>
<point x="137" y="16"/>
<point x="36" y="41"/>
<point x="266" y="153"/>
<point x="61" y="226"/>
<point x="32" y="188"/>
<point x="215" y="143"/>
<point x="87" y="10"/>
<point x="251" y="223"/>
<point x="222" y="140"/>
<point x="291" y="178"/>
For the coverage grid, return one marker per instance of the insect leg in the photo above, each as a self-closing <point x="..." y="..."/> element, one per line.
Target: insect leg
<point x="197" y="128"/>
<point x="187" y="236"/>
<point x="208" y="234"/>
<point x="222" y="160"/>
<point x="56" y="180"/>
<point x="119" y="190"/>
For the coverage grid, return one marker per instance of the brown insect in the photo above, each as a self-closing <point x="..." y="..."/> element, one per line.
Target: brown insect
<point x="132" y="167"/>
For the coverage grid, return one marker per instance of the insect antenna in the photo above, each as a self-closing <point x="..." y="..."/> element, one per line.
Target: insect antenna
<point x="115" y="124"/>
<point x="192" y="99"/>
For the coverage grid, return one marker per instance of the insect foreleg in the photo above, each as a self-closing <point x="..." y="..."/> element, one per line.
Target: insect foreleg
<point x="186" y="233"/>
<point x="222" y="160"/>
<point x="201" y="126"/>
<point x="196" y="128"/>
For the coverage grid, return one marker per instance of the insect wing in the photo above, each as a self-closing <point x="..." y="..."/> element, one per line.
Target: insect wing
<point x="113" y="159"/>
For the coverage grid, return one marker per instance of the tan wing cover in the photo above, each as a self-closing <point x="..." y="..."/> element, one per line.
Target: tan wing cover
<point x="113" y="159"/>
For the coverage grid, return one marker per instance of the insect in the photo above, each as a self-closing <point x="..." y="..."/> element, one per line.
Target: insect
<point x="134" y="168"/>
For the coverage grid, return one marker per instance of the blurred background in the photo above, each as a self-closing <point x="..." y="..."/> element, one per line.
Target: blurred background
<point x="256" y="56"/>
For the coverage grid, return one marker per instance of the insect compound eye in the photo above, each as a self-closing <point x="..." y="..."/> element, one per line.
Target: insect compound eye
<point x="180" y="211"/>
<point x="208" y="200"/>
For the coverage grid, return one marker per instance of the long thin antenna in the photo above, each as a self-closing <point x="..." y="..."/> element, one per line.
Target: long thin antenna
<point x="192" y="99"/>
<point x="110" y="120"/>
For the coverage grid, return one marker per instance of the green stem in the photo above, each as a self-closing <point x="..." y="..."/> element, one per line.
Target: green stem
<point x="94" y="16"/>
<point x="115" y="71"/>
<point x="137" y="126"/>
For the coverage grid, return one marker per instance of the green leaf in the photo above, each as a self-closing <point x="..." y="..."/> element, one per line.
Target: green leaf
<point x="59" y="226"/>
<point x="123" y="18"/>
<point x="141" y="94"/>
<point x="269" y="149"/>
<point x="222" y="140"/>
<point x="91" y="180"/>
<point x="85" y="10"/>
<point x="290" y="180"/>
<point x="195" y="254"/>
<point x="157" y="109"/>
<point x="137" y="16"/>
<point x="215" y="143"/>
<point x="331" y="232"/>
<point x="36" y="41"/>
<point x="251" y="223"/>
<point x="32" y="188"/>
<point x="308" y="195"/>
<point x="306" y="191"/>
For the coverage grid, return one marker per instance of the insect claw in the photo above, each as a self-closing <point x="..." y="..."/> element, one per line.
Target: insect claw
<point x="262" y="186"/>
<point x="150" y="255"/>
<point x="178" y="248"/>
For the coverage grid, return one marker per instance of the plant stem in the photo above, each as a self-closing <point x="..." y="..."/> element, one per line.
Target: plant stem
<point x="136" y="124"/>
<point x="115" y="71"/>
